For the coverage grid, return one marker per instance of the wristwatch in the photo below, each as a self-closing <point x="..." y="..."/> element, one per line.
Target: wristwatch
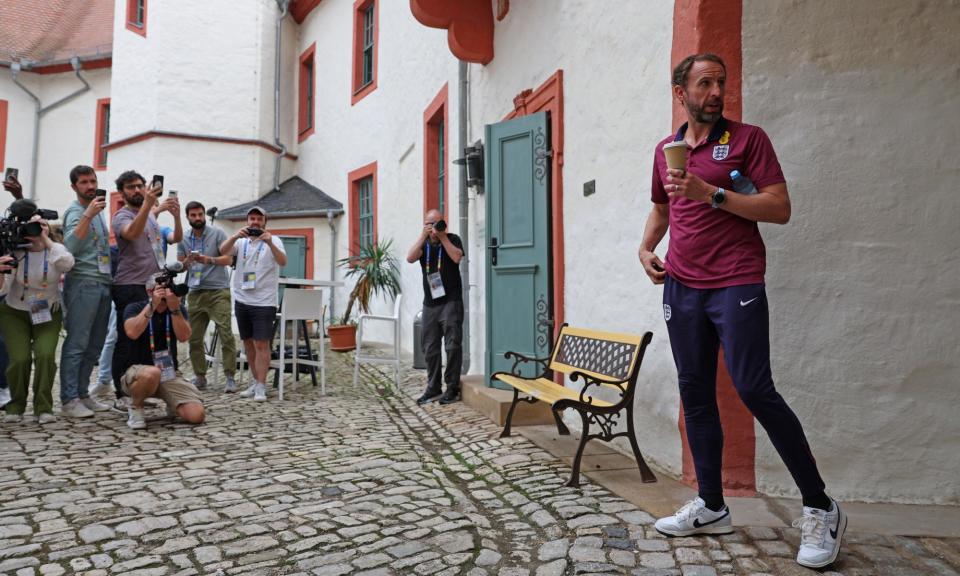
<point x="718" y="198"/>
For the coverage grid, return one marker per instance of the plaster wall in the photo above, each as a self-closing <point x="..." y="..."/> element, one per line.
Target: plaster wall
<point x="614" y="114"/>
<point x="386" y="126"/>
<point x="67" y="133"/>
<point x="859" y="99"/>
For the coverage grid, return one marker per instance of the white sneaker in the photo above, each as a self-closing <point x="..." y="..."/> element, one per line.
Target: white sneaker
<point x="260" y="393"/>
<point x="76" y="409"/>
<point x="248" y="393"/>
<point x="12" y="418"/>
<point x="135" y="419"/>
<point x="820" y="535"/>
<point x="94" y="405"/>
<point x="230" y="386"/>
<point x="695" y="518"/>
<point x="4" y="396"/>
<point x="122" y="404"/>
<point x="48" y="418"/>
<point x="100" y="389"/>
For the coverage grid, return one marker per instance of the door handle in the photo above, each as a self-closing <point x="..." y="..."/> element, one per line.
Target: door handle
<point x="493" y="251"/>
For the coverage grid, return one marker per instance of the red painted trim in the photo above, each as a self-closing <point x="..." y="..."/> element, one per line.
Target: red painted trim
<point x="67" y="67"/>
<point x="353" y="209"/>
<point x="102" y="106"/>
<point x="4" y="107"/>
<point x="548" y="97"/>
<point x="306" y="79"/>
<point x="503" y="6"/>
<point x="300" y="9"/>
<point x="116" y="203"/>
<point x="715" y="26"/>
<point x="432" y="116"/>
<point x="131" y="16"/>
<point x="359" y="93"/>
<point x="199" y="137"/>
<point x="302" y="232"/>
<point x="469" y="25"/>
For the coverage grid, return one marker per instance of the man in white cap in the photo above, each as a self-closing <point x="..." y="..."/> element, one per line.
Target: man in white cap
<point x="255" y="283"/>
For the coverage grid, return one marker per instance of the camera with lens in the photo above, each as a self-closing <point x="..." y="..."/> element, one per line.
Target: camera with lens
<point x="440" y="225"/>
<point x="167" y="279"/>
<point x="16" y="229"/>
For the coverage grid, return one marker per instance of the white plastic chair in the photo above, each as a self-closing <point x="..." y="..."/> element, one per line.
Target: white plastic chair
<point x="395" y="359"/>
<point x="300" y="305"/>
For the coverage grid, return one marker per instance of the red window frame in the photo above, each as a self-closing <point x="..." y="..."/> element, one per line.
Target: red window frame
<point x="132" y="18"/>
<point x="102" y="134"/>
<point x="353" y="194"/>
<point x="359" y="8"/>
<point x="4" y="105"/>
<point x="434" y="117"/>
<point x="307" y="73"/>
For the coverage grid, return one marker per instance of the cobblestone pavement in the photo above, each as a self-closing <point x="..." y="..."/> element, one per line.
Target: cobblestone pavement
<point x="359" y="482"/>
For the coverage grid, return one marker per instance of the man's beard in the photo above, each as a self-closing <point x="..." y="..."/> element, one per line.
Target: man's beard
<point x="704" y="117"/>
<point x="198" y="225"/>
<point x="134" y="200"/>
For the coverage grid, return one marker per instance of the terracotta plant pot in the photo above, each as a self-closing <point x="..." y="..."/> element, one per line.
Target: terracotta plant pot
<point x="342" y="338"/>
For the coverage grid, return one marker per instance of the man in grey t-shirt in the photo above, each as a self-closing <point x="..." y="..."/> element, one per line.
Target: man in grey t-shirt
<point x="209" y="297"/>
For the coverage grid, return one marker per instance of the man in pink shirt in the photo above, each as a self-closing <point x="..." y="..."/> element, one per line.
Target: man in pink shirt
<point x="713" y="277"/>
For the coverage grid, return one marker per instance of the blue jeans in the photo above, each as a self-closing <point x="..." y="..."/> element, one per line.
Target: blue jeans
<point x="88" y="307"/>
<point x="106" y="355"/>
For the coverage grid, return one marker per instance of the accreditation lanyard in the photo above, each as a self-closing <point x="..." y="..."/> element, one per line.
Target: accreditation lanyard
<point x="153" y="346"/>
<point x="193" y="242"/>
<point x="103" y="250"/>
<point x="26" y="272"/>
<point x="256" y="257"/>
<point x="439" y="258"/>
<point x="196" y="269"/>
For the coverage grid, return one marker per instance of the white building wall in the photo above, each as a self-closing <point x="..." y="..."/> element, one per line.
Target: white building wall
<point x="67" y="133"/>
<point x="864" y="282"/>
<point x="616" y="90"/>
<point x="386" y="126"/>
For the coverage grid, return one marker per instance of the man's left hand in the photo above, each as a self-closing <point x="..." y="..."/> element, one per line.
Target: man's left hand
<point x="173" y="301"/>
<point x="266" y="236"/>
<point x="683" y="184"/>
<point x="13" y="187"/>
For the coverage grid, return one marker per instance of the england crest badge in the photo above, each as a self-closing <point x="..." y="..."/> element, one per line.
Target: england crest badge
<point x="721" y="151"/>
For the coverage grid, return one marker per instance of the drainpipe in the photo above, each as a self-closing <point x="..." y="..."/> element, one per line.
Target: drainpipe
<point x="462" y="98"/>
<point x="283" y="5"/>
<point x="333" y="255"/>
<point x="15" y="68"/>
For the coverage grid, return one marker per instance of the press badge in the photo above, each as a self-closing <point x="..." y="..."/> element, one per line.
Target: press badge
<point x="164" y="361"/>
<point x="249" y="281"/>
<point x="40" y="311"/>
<point x="193" y="280"/>
<point x="103" y="263"/>
<point x="436" y="285"/>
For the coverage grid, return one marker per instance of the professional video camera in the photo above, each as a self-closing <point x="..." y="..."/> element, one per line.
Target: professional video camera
<point x="15" y="227"/>
<point x="166" y="279"/>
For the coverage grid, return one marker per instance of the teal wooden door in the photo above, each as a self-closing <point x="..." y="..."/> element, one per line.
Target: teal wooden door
<point x="518" y="289"/>
<point x="296" y="267"/>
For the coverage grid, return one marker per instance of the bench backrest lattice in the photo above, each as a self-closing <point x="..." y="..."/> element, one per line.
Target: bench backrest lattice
<point x="609" y="358"/>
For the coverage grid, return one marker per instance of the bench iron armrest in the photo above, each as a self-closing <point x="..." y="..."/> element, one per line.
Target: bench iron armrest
<point x="522" y="359"/>
<point x="589" y="381"/>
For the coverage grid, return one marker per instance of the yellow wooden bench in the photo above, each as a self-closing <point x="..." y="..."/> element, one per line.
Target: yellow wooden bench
<point x="602" y="360"/>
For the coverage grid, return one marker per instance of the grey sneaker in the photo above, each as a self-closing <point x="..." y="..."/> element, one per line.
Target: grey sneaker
<point x="48" y="418"/>
<point x="260" y="393"/>
<point x="231" y="385"/>
<point x="75" y="409"/>
<point x="248" y="393"/>
<point x="94" y="405"/>
<point x="4" y="396"/>
<point x="12" y="418"/>
<point x="200" y="382"/>
<point x="135" y="419"/>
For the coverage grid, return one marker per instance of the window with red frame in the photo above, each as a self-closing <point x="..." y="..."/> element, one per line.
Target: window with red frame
<point x="365" y="33"/>
<point x="308" y="84"/>
<point x="435" y="154"/>
<point x="103" y="134"/>
<point x="363" y="207"/>
<point x="137" y="16"/>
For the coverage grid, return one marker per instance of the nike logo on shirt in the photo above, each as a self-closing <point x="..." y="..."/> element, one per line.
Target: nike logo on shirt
<point x="742" y="303"/>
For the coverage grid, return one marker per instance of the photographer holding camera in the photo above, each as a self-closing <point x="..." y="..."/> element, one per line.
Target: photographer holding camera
<point x="255" y="282"/>
<point x="209" y="297"/>
<point x="30" y="318"/>
<point x="140" y="253"/>
<point x="154" y="326"/>
<point x="11" y="185"/>
<point x="86" y="293"/>
<point x="439" y="255"/>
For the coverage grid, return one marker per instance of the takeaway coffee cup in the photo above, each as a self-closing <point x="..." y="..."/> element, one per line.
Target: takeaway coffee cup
<point x="676" y="155"/>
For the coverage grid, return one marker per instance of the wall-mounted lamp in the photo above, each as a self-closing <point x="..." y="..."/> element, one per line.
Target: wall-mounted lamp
<point x="473" y="160"/>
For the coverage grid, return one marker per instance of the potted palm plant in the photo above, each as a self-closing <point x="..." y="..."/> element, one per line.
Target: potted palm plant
<point x="376" y="272"/>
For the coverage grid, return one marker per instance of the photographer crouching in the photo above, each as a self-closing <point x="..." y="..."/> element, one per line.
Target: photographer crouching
<point x="154" y="326"/>
<point x="30" y="318"/>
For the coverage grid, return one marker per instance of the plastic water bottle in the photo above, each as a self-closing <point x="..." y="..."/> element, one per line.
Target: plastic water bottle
<point x="741" y="183"/>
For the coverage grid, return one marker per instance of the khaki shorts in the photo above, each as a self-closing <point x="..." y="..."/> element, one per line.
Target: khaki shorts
<point x="174" y="392"/>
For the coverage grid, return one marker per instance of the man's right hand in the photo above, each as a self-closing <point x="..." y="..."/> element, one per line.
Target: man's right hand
<point x="427" y="230"/>
<point x="13" y="187"/>
<point x="241" y="233"/>
<point x="158" y="295"/>
<point x="5" y="262"/>
<point x="95" y="207"/>
<point x="653" y="266"/>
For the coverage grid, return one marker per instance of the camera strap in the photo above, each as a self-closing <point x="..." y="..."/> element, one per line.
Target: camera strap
<point x="162" y="358"/>
<point x="26" y="272"/>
